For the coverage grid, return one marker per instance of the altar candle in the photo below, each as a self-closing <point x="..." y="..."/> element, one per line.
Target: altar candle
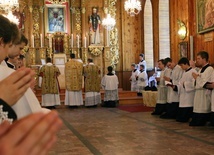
<point x="85" y="42"/>
<point x="78" y="41"/>
<point x="33" y="41"/>
<point x="50" y="41"/>
<point x="41" y="40"/>
<point x="72" y="40"/>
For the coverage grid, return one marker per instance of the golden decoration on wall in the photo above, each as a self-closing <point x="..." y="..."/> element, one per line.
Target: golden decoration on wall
<point x="78" y="20"/>
<point x="36" y="25"/>
<point x="96" y="50"/>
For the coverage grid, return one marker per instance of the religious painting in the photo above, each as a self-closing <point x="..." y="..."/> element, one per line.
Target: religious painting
<point x="55" y="18"/>
<point x="183" y="49"/>
<point x="205" y="15"/>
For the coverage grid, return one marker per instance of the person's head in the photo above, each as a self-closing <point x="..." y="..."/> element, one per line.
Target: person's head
<point x="20" y="62"/>
<point x="133" y="66"/>
<point x="141" y="56"/>
<point x="161" y="64"/>
<point x="169" y="63"/>
<point x="142" y="67"/>
<point x="184" y="63"/>
<point x="90" y="60"/>
<point x="202" y="58"/>
<point x="110" y="69"/>
<point x="94" y="10"/>
<point x="16" y="48"/>
<point x="48" y="59"/>
<point x="9" y="34"/>
<point x="72" y="56"/>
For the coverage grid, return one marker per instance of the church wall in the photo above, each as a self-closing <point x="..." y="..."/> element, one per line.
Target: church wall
<point x="185" y="10"/>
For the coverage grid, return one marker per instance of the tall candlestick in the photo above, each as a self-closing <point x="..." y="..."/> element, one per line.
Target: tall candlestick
<point x="85" y="42"/>
<point x="41" y="40"/>
<point x="72" y="41"/>
<point x="78" y="41"/>
<point x="50" y="41"/>
<point x="33" y="41"/>
<point x="191" y="47"/>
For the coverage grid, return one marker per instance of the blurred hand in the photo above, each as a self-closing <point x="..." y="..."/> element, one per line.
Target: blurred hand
<point x="32" y="135"/>
<point x="15" y="85"/>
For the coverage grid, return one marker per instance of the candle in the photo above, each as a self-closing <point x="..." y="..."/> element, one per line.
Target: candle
<point x="41" y="40"/>
<point x="32" y="41"/>
<point x="72" y="40"/>
<point x="78" y="41"/>
<point x="85" y="42"/>
<point x="191" y="47"/>
<point x="50" y="41"/>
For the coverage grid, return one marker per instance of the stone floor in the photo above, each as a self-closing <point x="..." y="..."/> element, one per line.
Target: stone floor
<point x="111" y="131"/>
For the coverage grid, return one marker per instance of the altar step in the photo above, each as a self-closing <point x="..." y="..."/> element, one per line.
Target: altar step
<point x="125" y="97"/>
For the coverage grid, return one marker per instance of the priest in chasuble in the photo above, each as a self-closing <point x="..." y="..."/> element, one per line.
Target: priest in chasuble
<point x="50" y="85"/>
<point x="73" y="81"/>
<point x="92" y="84"/>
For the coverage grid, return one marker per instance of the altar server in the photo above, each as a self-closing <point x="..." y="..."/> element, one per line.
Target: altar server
<point x="133" y="77"/>
<point x="172" y="96"/>
<point x="202" y="103"/>
<point x="161" y="104"/>
<point x="186" y="90"/>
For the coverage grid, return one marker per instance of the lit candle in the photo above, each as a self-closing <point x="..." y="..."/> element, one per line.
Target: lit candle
<point x="72" y="40"/>
<point x="78" y="41"/>
<point x="191" y="47"/>
<point x="41" y="40"/>
<point x="33" y="41"/>
<point x="85" y="42"/>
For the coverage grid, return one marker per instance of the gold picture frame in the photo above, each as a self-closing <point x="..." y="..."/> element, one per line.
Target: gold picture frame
<point x="205" y="11"/>
<point x="55" y="18"/>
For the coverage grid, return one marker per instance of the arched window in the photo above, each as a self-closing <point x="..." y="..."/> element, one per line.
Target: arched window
<point x="164" y="38"/>
<point x="148" y="34"/>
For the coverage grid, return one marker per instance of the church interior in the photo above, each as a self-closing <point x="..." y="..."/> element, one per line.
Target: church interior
<point x="156" y="28"/>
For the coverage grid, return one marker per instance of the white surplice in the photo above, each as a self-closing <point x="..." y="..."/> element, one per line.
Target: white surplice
<point x="162" y="88"/>
<point x="28" y="103"/>
<point x="176" y="74"/>
<point x="202" y="99"/>
<point x="186" y="89"/>
<point x="134" y="86"/>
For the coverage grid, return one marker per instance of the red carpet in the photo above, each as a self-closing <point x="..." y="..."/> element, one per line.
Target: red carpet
<point x="135" y="108"/>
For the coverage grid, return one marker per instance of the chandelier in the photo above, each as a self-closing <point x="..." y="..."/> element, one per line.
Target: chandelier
<point x="9" y="5"/>
<point x="133" y="7"/>
<point x="12" y="18"/>
<point x="57" y="1"/>
<point x="108" y="22"/>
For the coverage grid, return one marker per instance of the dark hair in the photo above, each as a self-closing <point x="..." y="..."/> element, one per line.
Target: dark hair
<point x="166" y="60"/>
<point x="72" y="55"/>
<point x="23" y="40"/>
<point x="110" y="68"/>
<point x="184" y="61"/>
<point x="134" y="65"/>
<point x="142" y="55"/>
<point x="162" y="61"/>
<point x="21" y="56"/>
<point x="204" y="55"/>
<point x="9" y="31"/>
<point x="90" y="60"/>
<point x="142" y="66"/>
<point x="48" y="59"/>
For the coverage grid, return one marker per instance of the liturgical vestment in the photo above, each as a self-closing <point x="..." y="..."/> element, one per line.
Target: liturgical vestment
<point x="92" y="84"/>
<point x="73" y="82"/>
<point x="50" y="87"/>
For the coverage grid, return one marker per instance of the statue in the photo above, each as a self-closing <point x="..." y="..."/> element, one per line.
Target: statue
<point x="94" y="21"/>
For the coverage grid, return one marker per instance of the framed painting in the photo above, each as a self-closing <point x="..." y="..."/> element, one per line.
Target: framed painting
<point x="183" y="49"/>
<point x="205" y="18"/>
<point x="55" y="18"/>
